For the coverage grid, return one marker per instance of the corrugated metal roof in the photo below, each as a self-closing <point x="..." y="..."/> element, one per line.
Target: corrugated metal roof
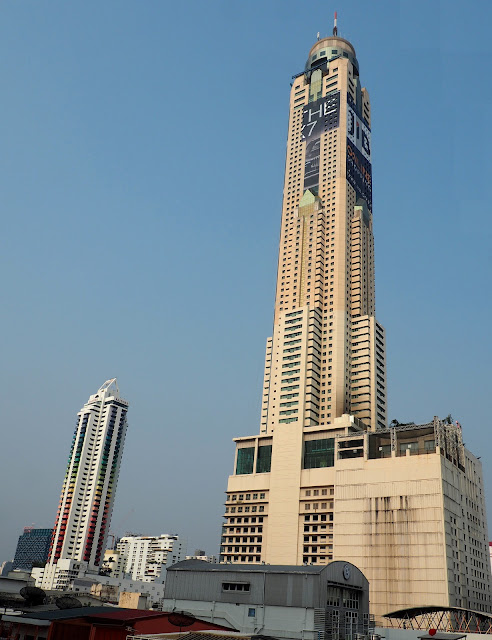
<point x="108" y="613"/>
<point x="66" y="614"/>
<point x="202" y="565"/>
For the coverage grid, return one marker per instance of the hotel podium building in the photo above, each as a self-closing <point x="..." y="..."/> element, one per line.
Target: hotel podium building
<point x="326" y="478"/>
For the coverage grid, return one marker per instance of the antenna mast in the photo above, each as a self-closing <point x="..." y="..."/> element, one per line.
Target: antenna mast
<point x="335" y="30"/>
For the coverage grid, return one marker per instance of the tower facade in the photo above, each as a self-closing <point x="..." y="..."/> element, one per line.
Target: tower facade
<point x="33" y="547"/>
<point x="326" y="357"/>
<point x="325" y="478"/>
<point x="88" y="492"/>
<point x="325" y="368"/>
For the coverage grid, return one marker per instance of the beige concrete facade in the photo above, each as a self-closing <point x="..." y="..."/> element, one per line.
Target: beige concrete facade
<point x="326" y="258"/>
<point x="405" y="505"/>
<point x="325" y="479"/>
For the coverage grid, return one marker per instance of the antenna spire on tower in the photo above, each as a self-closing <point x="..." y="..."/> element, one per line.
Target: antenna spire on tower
<point x="335" y="30"/>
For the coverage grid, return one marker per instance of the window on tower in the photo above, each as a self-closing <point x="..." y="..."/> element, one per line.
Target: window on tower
<point x="245" y="459"/>
<point x="319" y="453"/>
<point x="264" y="461"/>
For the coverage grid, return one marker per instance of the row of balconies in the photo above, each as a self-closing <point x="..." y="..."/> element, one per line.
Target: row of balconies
<point x="357" y="299"/>
<point x="352" y="342"/>
<point x="234" y="559"/>
<point x="243" y="549"/>
<point x="360" y="404"/>
<point x="318" y="549"/>
<point x="241" y="530"/>
<point x="357" y="290"/>
<point x="358" y="354"/>
<point x="359" y="244"/>
<point x="242" y="539"/>
<point x="356" y="340"/>
<point x="361" y="330"/>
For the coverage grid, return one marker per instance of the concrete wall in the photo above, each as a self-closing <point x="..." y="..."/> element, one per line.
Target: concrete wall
<point x="264" y="588"/>
<point x="280" y="622"/>
<point x="130" y="600"/>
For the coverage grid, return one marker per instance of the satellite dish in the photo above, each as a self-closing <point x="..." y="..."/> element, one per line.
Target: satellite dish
<point x="33" y="595"/>
<point x="68" y="602"/>
<point x="181" y="619"/>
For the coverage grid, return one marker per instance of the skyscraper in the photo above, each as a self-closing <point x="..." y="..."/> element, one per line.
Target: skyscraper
<point x="326" y="479"/>
<point x="33" y="547"/>
<point x="326" y="357"/>
<point x="87" y="497"/>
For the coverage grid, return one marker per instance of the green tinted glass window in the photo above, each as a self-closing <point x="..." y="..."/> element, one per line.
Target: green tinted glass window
<point x="429" y="445"/>
<point x="264" y="460"/>
<point x="245" y="458"/>
<point x="319" y="453"/>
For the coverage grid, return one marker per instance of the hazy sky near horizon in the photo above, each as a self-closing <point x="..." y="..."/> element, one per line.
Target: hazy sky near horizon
<point x="141" y="169"/>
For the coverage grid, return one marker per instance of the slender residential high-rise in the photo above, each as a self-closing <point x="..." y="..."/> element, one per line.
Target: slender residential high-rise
<point x="326" y="478"/>
<point x="88" y="492"/>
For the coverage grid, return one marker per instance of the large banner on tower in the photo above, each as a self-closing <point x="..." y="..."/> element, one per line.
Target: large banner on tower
<point x="359" y="169"/>
<point x="317" y="118"/>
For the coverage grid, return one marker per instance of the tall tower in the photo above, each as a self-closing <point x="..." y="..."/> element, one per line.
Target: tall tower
<point x="326" y="479"/>
<point x="327" y="354"/>
<point x="88" y="492"/>
<point x="325" y="369"/>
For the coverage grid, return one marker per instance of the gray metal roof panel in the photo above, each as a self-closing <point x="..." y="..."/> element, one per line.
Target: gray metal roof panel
<point x="202" y="565"/>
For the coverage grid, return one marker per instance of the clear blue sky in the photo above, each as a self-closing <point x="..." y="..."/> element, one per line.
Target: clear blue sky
<point x="141" y="163"/>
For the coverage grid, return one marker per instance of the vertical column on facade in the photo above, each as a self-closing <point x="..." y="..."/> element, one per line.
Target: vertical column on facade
<point x="368" y="372"/>
<point x="313" y="369"/>
<point x="361" y="369"/>
<point x="266" y="386"/>
<point x="379" y="379"/>
<point x="362" y="262"/>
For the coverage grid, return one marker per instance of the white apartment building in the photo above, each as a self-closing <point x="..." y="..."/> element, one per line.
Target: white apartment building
<point x="143" y="557"/>
<point x="88" y="493"/>
<point x="113" y="563"/>
<point x="71" y="576"/>
<point x="58" y="576"/>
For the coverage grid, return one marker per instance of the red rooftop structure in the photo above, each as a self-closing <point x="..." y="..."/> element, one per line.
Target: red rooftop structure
<point x="102" y="623"/>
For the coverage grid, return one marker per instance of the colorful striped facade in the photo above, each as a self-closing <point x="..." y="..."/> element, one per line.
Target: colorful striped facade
<point x="88" y="492"/>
